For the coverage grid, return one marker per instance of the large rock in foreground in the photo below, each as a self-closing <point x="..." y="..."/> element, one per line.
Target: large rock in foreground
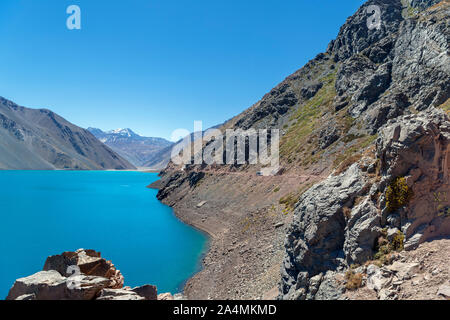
<point x="51" y="285"/>
<point x="79" y="275"/>
<point x="90" y="263"/>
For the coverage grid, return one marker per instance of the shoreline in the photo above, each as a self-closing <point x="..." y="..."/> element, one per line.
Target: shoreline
<point x="246" y="234"/>
<point x="210" y="236"/>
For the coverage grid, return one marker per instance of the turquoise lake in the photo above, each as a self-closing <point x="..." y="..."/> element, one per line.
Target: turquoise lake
<point x="45" y="213"/>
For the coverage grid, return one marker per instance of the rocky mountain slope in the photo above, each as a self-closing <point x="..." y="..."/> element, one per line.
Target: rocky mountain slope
<point x="138" y="150"/>
<point x="39" y="139"/>
<point x="365" y="164"/>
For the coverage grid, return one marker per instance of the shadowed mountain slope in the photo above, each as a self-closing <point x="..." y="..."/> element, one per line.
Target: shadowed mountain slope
<point x="39" y="139"/>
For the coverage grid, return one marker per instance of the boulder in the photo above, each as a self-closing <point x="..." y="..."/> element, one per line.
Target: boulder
<point x="444" y="290"/>
<point x="51" y="285"/>
<point x="119" y="294"/>
<point x="148" y="292"/>
<point x="89" y="262"/>
<point x="165" y="296"/>
<point x="79" y="275"/>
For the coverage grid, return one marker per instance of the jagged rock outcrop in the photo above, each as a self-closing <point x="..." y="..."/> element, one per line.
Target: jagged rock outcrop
<point x="79" y="275"/>
<point x="418" y="148"/>
<point x="406" y="66"/>
<point x="315" y="241"/>
<point x="90" y="263"/>
<point x="338" y="221"/>
<point x="355" y="36"/>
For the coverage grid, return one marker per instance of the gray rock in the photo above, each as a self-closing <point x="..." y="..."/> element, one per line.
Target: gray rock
<point x="329" y="288"/>
<point x="315" y="241"/>
<point x="444" y="290"/>
<point x="119" y="294"/>
<point x="362" y="230"/>
<point x="328" y="135"/>
<point x="310" y="91"/>
<point x="50" y="285"/>
<point x="404" y="271"/>
<point x="355" y="36"/>
<point x="391" y="233"/>
<point x="415" y="147"/>
<point x="375" y="279"/>
<point x="26" y="297"/>
<point x="422" y="4"/>
<point x="371" y="89"/>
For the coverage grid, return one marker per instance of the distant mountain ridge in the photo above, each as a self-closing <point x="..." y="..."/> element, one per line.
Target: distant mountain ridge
<point x="137" y="149"/>
<point x="39" y="139"/>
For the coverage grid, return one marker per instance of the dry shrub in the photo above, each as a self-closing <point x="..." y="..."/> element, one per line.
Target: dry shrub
<point x="354" y="280"/>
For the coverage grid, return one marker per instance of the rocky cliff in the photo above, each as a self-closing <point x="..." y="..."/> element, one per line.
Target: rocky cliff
<point x="394" y="198"/>
<point x="39" y="139"/>
<point x="365" y="164"/>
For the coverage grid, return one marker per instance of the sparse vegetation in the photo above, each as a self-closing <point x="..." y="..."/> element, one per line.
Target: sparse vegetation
<point x="352" y="154"/>
<point x="398" y="194"/>
<point x="397" y="243"/>
<point x="277" y="189"/>
<point x="446" y="106"/>
<point x="307" y="118"/>
<point x="289" y="202"/>
<point x="385" y="248"/>
<point x="354" y="280"/>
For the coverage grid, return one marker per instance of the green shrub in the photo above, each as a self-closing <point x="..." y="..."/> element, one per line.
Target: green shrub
<point x="398" y="194"/>
<point x="384" y="247"/>
<point x="397" y="243"/>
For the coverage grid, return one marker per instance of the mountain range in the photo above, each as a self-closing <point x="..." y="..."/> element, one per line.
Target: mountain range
<point x="138" y="150"/>
<point x="39" y="139"/>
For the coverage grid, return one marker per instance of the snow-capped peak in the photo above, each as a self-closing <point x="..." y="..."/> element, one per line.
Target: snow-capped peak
<point x="123" y="132"/>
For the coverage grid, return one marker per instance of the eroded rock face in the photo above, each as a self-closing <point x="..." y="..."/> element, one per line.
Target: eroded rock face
<point x="418" y="148"/>
<point x="79" y="275"/>
<point x="337" y="222"/>
<point x="355" y="36"/>
<point x="315" y="241"/>
<point x="405" y="65"/>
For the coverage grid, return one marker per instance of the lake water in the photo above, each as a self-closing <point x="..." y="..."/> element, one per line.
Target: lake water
<point x="48" y="212"/>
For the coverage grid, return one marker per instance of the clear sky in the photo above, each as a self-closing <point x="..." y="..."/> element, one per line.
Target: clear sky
<point x="157" y="65"/>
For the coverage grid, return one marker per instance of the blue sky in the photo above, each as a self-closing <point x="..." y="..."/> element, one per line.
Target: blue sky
<point x="158" y="65"/>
